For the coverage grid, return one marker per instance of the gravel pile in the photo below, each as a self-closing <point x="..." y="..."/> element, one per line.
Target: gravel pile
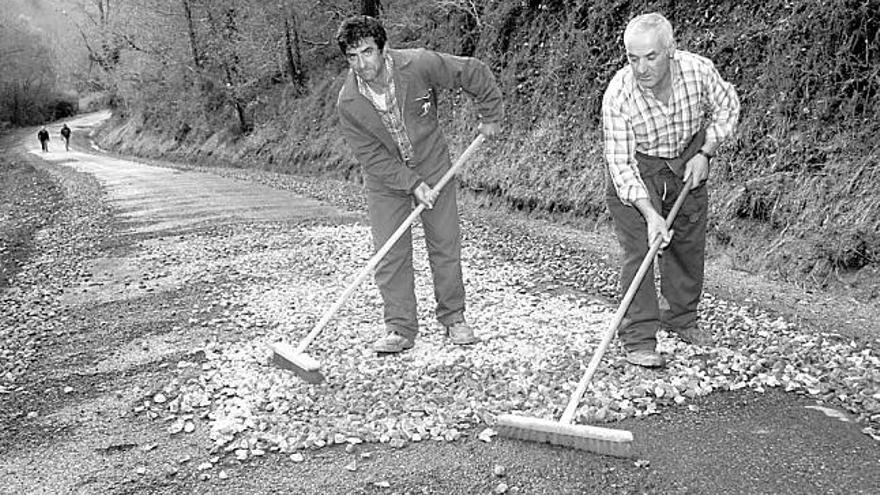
<point x="538" y="331"/>
<point x="58" y="231"/>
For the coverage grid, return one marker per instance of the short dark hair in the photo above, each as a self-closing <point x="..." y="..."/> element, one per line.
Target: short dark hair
<point x="358" y="28"/>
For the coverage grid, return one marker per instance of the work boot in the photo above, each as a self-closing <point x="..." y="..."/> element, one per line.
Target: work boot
<point x="461" y="333"/>
<point x="646" y="358"/>
<point x="694" y="335"/>
<point x="392" y="343"/>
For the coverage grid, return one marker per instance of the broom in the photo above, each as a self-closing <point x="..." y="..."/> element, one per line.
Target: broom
<point x="294" y="358"/>
<point x="606" y="441"/>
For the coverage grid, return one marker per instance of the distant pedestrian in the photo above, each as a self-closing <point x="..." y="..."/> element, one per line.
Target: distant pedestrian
<point x="65" y="133"/>
<point x="43" y="136"/>
<point x="663" y="116"/>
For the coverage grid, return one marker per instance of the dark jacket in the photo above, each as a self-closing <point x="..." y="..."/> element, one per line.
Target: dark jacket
<point x="418" y="75"/>
<point x="43" y="135"/>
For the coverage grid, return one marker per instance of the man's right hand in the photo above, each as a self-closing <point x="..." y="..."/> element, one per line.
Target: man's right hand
<point x="490" y="129"/>
<point x="425" y="195"/>
<point x="656" y="223"/>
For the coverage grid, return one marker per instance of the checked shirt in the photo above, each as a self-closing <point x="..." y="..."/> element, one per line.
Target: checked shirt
<point x="389" y="111"/>
<point x="634" y="120"/>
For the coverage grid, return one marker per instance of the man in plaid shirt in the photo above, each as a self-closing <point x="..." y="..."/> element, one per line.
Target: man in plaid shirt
<point x="388" y="116"/>
<point x="663" y="117"/>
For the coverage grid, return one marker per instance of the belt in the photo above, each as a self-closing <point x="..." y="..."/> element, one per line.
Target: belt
<point x="652" y="165"/>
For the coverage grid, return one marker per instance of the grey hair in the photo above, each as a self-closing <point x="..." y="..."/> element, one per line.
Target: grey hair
<point x="653" y="22"/>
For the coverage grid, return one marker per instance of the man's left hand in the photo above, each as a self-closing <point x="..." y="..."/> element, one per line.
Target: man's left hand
<point x="696" y="171"/>
<point x="490" y="129"/>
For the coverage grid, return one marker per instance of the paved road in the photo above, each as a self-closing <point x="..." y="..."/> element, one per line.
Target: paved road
<point x="155" y="199"/>
<point x="86" y="441"/>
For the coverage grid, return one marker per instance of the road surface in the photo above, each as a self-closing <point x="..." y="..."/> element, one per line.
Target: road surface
<point x="116" y="309"/>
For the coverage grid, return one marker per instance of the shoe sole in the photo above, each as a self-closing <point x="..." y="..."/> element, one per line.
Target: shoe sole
<point x="708" y="342"/>
<point x="690" y="340"/>
<point x="661" y="364"/>
<point x="392" y="351"/>
<point x="652" y="365"/>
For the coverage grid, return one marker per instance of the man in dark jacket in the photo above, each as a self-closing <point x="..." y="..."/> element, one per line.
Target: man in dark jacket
<point x="43" y="136"/>
<point x="65" y="133"/>
<point x="388" y="116"/>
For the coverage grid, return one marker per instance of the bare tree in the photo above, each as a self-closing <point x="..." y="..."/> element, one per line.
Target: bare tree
<point x="191" y="31"/>
<point x="371" y="8"/>
<point x="98" y="37"/>
<point x="293" y="52"/>
<point x="470" y="7"/>
<point x="27" y="78"/>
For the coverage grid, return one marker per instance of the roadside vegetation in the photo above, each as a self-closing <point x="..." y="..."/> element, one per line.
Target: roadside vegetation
<point x="254" y="84"/>
<point x="29" y="75"/>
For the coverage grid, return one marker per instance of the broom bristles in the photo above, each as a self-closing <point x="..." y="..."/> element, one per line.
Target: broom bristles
<point x="607" y="441"/>
<point x="284" y="356"/>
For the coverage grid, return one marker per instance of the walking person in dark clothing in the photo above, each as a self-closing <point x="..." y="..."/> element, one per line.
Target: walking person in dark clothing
<point x="65" y="133"/>
<point x="43" y="136"/>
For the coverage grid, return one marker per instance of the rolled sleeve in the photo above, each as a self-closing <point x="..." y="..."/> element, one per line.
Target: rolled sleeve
<point x="725" y="106"/>
<point x="620" y="144"/>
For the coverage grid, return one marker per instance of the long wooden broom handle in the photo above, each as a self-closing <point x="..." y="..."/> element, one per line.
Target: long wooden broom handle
<point x="365" y="271"/>
<point x="568" y="415"/>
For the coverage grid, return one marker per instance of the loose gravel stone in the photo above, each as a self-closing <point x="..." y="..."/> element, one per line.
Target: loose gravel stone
<point x="535" y="344"/>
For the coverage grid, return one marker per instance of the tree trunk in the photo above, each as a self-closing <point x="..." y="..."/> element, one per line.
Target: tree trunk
<point x="294" y="56"/>
<point x="187" y="10"/>
<point x="371" y="8"/>
<point x="16" y="107"/>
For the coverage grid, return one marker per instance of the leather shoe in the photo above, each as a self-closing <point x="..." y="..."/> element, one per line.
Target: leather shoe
<point x="646" y="358"/>
<point x="392" y="343"/>
<point x="695" y="335"/>
<point x="461" y="333"/>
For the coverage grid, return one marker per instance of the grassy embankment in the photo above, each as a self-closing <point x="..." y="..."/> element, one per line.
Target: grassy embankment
<point x="795" y="193"/>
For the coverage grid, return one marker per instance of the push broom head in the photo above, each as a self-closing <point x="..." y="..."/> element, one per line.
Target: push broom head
<point x="285" y="356"/>
<point x="605" y="441"/>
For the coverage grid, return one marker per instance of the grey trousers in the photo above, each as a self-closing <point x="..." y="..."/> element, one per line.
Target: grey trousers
<point x="394" y="274"/>
<point x="681" y="263"/>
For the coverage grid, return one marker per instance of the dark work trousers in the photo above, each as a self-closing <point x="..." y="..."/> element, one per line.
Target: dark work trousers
<point x="681" y="263"/>
<point x="394" y="274"/>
